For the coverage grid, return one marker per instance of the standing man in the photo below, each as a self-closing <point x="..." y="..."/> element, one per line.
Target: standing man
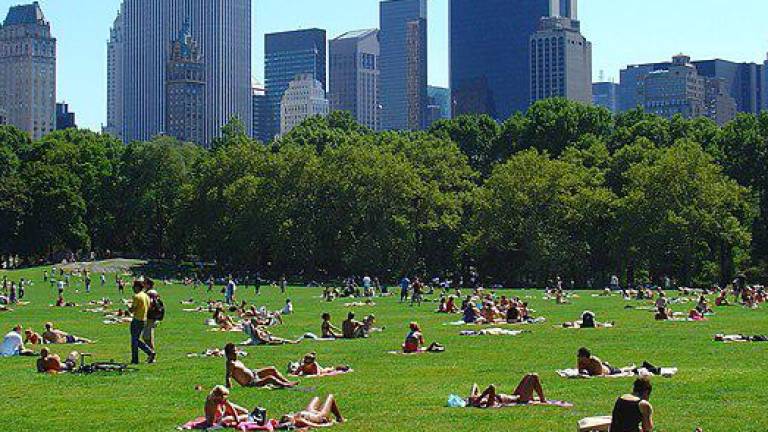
<point x="257" y="284"/>
<point x="229" y="291"/>
<point x="155" y="314"/>
<point x="405" y="284"/>
<point x="139" y="309"/>
<point x="283" y="284"/>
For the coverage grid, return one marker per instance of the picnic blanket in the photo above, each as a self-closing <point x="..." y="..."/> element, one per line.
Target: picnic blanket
<point x="594" y="424"/>
<point x="493" y="331"/>
<point x="215" y="352"/>
<point x="538" y="320"/>
<point x="574" y="373"/>
<point x="455" y="401"/>
<point x="199" y="424"/>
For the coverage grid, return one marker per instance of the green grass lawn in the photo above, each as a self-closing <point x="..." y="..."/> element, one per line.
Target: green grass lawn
<point x="720" y="387"/>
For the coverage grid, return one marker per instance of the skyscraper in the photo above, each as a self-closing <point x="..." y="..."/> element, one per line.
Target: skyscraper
<point x="354" y="72"/>
<point x="439" y="107"/>
<point x="287" y="55"/>
<point x="403" y="63"/>
<point x="185" y="90"/>
<point x="143" y="34"/>
<point x="28" y="70"/>
<point x="304" y="98"/>
<point x="115" y="83"/>
<point x="606" y="95"/>
<point x="260" y="110"/>
<point x="489" y="54"/>
<point x="561" y="61"/>
<point x="65" y="119"/>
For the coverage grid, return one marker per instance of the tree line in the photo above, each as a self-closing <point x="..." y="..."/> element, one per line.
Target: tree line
<point x="564" y="189"/>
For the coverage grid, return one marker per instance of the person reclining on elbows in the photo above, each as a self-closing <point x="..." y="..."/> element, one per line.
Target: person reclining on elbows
<point x="251" y="377"/>
<point x="593" y="366"/>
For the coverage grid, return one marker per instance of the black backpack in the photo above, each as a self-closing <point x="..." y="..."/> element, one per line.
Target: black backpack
<point x="156" y="310"/>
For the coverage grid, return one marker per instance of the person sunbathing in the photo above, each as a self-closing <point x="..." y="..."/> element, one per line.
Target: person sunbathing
<point x="703" y="305"/>
<point x="310" y="367"/>
<point x="740" y="338"/>
<point x="260" y="336"/>
<point x="223" y="320"/>
<point x="524" y="393"/>
<point x="328" y="330"/>
<point x="51" y="363"/>
<point x="592" y="366"/>
<point x="314" y="416"/>
<point x="587" y="321"/>
<point x="695" y="315"/>
<point x="236" y="370"/>
<point x="722" y="299"/>
<point x="220" y="412"/>
<point x="664" y="314"/>
<point x="633" y="412"/>
<point x="32" y="337"/>
<point x="60" y="302"/>
<point x="55" y="336"/>
<point x="350" y="327"/>
<point x="367" y="327"/>
<point x="414" y="341"/>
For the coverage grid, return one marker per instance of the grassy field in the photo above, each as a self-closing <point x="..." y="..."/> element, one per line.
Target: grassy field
<point x="720" y="387"/>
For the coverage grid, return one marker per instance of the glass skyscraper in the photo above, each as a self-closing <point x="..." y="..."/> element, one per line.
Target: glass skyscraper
<point x="489" y="52"/>
<point x="403" y="63"/>
<point x="287" y="55"/>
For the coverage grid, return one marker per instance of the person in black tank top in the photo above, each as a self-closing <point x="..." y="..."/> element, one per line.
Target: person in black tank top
<point x="633" y="413"/>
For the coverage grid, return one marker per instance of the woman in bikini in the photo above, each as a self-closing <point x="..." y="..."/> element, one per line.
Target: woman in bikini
<point x="219" y="411"/>
<point x="314" y="416"/>
<point x="529" y="386"/>
<point x="414" y="341"/>
<point x="310" y="367"/>
<point x="328" y="330"/>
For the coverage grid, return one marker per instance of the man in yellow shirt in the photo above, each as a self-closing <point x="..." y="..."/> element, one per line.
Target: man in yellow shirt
<point x="139" y="309"/>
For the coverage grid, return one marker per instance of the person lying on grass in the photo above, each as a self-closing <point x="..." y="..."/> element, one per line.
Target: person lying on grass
<point x="524" y="393"/>
<point x="60" y="302"/>
<point x="328" y="330"/>
<point x="220" y="412"/>
<point x="260" y="336"/>
<point x="587" y="321"/>
<point x="740" y="338"/>
<point x="51" y="363"/>
<point x="55" y="336"/>
<point x="696" y="315"/>
<point x="590" y="365"/>
<point x="414" y="341"/>
<point x="310" y="367"/>
<point x="223" y="320"/>
<point x="236" y="370"/>
<point x="633" y="412"/>
<point x="664" y="314"/>
<point x="314" y="416"/>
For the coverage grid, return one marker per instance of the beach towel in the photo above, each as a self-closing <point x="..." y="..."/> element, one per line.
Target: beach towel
<point x="494" y="331"/>
<point x="642" y="372"/>
<point x="594" y="424"/>
<point x="214" y="352"/>
<point x="326" y="374"/>
<point x="538" y="320"/>
<point x="199" y="424"/>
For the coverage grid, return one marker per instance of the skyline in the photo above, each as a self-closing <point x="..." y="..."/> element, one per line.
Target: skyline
<point x="629" y="33"/>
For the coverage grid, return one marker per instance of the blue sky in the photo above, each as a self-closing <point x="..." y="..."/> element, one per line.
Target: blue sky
<point x="622" y="32"/>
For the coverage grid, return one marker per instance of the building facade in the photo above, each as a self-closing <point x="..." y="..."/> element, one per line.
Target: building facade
<point x="439" y="105"/>
<point x="28" y="70"/>
<point x="561" y="61"/>
<point x="65" y="119"/>
<point x="403" y="64"/>
<point x="304" y="98"/>
<point x="185" y="90"/>
<point x="260" y="110"/>
<point x="145" y="30"/>
<point x="489" y="52"/>
<point x="606" y="95"/>
<point x="288" y="54"/>
<point x="115" y="83"/>
<point x="354" y="73"/>
<point x="676" y="90"/>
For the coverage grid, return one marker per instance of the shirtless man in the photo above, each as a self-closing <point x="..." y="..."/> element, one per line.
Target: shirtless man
<point x="32" y="337"/>
<point x="251" y="378"/>
<point x="260" y="336"/>
<point x="327" y="329"/>
<point x="314" y="416"/>
<point x="593" y="366"/>
<point x="349" y="328"/>
<point x="52" y="362"/>
<point x="54" y="336"/>
<point x="524" y="393"/>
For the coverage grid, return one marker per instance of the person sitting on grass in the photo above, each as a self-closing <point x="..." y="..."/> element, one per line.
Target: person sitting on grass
<point x="314" y="416"/>
<point x="220" y="412"/>
<point x="328" y="330"/>
<point x="703" y="305"/>
<point x="51" y="363"/>
<point x="350" y="327"/>
<point x="414" y="341"/>
<point x="260" y="336"/>
<point x="722" y="299"/>
<point x="633" y="412"/>
<point x="223" y="320"/>
<point x="524" y="393"/>
<point x="587" y="321"/>
<point x="251" y="377"/>
<point x="32" y="337"/>
<point x="13" y="344"/>
<point x="664" y="314"/>
<point x="55" y="336"/>
<point x="592" y="366"/>
<point x="695" y="315"/>
<point x="367" y="327"/>
<point x="60" y="302"/>
<point x="310" y="367"/>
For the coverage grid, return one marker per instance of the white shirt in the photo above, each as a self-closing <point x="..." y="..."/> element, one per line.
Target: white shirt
<point x="288" y="309"/>
<point x="12" y="343"/>
<point x="366" y="281"/>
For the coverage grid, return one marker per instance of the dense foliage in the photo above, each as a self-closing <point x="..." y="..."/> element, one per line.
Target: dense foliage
<point x="565" y="189"/>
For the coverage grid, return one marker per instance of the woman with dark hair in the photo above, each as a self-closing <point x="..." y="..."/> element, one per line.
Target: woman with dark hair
<point x="633" y="412"/>
<point x="328" y="330"/>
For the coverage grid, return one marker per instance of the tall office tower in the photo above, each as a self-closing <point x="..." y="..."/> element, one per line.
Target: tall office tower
<point x="115" y="86"/>
<point x="606" y="95"/>
<point x="439" y="106"/>
<point x="147" y="27"/>
<point x="28" y="70"/>
<point x="65" y="119"/>
<point x="260" y="110"/>
<point x="489" y="52"/>
<point x="354" y="73"/>
<point x="744" y="82"/>
<point x="561" y="61"/>
<point x="403" y="64"/>
<point x="764" y="84"/>
<point x="185" y="90"/>
<point x="304" y="98"/>
<point x="287" y="55"/>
